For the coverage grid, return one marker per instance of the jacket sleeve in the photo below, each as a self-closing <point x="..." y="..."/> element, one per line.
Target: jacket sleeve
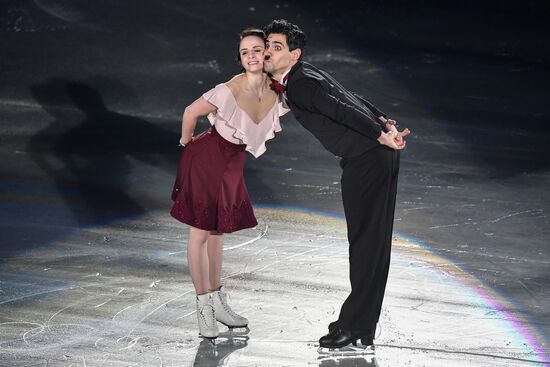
<point x="370" y="106"/>
<point x="308" y="94"/>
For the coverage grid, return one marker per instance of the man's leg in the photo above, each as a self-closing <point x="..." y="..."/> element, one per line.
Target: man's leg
<point x="369" y="185"/>
<point x="390" y="214"/>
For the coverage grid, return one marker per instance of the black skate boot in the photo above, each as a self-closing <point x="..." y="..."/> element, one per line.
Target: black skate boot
<point x="344" y="342"/>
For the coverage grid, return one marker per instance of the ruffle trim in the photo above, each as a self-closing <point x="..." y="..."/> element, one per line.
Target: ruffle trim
<point x="227" y="107"/>
<point x="237" y="119"/>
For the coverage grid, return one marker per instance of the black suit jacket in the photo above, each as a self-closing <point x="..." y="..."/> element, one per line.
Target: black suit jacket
<point x="346" y="124"/>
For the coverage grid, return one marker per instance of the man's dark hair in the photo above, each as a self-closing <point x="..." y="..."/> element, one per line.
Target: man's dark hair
<point x="249" y="32"/>
<point x="295" y="37"/>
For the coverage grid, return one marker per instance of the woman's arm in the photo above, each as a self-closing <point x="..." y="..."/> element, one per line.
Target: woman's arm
<point x="201" y="107"/>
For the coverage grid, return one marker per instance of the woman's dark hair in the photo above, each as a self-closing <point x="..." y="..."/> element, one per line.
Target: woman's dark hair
<point x="295" y="37"/>
<point x="245" y="33"/>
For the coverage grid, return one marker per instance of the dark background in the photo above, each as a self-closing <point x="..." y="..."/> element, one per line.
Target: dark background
<point x="91" y="95"/>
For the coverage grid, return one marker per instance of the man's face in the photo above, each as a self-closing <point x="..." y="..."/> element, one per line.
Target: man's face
<point x="278" y="57"/>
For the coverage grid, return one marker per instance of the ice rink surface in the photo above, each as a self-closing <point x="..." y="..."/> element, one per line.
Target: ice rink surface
<point x="93" y="269"/>
<point x="119" y="295"/>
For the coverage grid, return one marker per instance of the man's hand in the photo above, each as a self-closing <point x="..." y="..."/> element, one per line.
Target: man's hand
<point x="390" y="123"/>
<point x="394" y="138"/>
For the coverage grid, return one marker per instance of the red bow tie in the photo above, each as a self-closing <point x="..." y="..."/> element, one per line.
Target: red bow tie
<point x="277" y="87"/>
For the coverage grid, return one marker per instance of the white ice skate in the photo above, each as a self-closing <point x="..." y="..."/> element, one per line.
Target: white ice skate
<point x="224" y="313"/>
<point x="205" y="316"/>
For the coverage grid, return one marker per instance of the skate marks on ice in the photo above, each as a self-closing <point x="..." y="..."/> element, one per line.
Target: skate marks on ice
<point x="104" y="302"/>
<point x="216" y="353"/>
<point x="356" y="356"/>
<point x="348" y="361"/>
<point x="85" y="301"/>
<point x="433" y="311"/>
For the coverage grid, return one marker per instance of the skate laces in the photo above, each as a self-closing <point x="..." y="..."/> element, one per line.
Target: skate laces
<point x="210" y="315"/>
<point x="223" y="299"/>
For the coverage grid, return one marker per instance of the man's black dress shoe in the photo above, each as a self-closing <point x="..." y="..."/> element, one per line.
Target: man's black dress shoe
<point x="366" y="339"/>
<point x="332" y="326"/>
<point x="338" y="338"/>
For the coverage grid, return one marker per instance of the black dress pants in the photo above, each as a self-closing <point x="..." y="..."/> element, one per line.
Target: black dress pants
<point x="369" y="187"/>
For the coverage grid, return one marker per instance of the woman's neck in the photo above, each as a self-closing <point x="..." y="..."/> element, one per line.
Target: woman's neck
<point x="255" y="81"/>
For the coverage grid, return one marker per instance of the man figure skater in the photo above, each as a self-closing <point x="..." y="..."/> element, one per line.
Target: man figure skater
<point x="368" y="143"/>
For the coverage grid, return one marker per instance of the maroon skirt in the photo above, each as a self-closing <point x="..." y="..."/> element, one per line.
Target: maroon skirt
<point x="209" y="192"/>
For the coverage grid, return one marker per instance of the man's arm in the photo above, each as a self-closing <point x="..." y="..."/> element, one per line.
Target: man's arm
<point x="309" y="95"/>
<point x="388" y="124"/>
<point x="371" y="107"/>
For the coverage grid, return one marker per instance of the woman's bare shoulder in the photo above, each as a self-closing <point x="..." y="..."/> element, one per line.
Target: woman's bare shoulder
<point x="235" y="83"/>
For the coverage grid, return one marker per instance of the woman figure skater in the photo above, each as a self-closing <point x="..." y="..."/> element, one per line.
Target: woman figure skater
<point x="210" y="194"/>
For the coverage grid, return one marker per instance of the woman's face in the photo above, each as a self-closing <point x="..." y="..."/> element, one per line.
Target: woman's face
<point x="251" y="51"/>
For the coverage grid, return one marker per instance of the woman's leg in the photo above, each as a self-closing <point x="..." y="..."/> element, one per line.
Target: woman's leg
<point x="197" y="259"/>
<point x="215" y="259"/>
<point x="223" y="311"/>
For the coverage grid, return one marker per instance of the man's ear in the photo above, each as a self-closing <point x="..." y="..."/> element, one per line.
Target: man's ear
<point x="296" y="53"/>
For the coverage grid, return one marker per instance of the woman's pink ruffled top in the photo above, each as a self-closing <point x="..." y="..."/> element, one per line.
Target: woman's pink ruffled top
<point x="234" y="124"/>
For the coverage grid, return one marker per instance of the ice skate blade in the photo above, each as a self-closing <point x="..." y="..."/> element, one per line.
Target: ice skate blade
<point x="238" y="330"/>
<point x="210" y="339"/>
<point x="348" y="350"/>
<point x="245" y="327"/>
<point x="231" y="327"/>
